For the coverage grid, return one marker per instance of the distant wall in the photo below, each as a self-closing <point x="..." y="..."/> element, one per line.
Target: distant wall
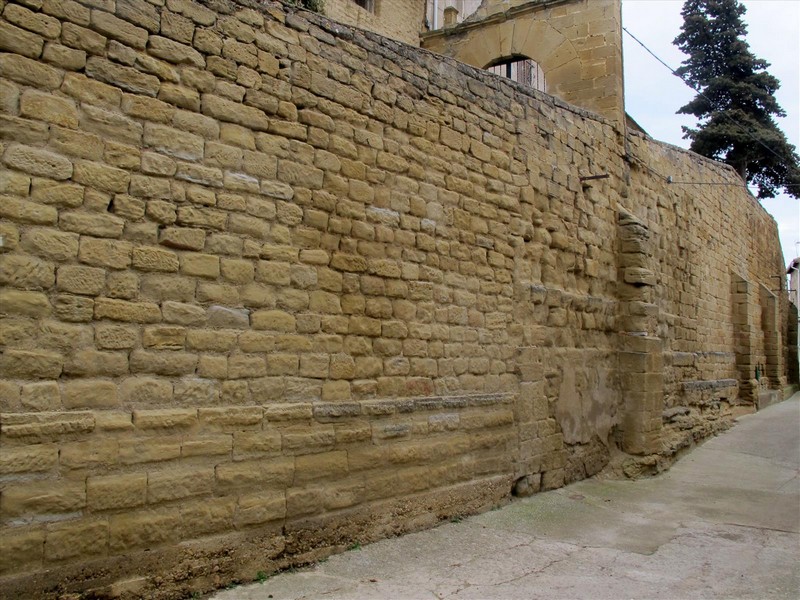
<point x="720" y="293"/>
<point x="397" y="19"/>
<point x="272" y="286"/>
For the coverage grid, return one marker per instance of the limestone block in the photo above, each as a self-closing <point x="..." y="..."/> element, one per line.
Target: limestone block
<point x="30" y="364"/>
<point x="44" y="396"/>
<point x="47" y="107"/>
<point x="174" y="52"/>
<point x="26" y="272"/>
<point x="183" y="314"/>
<point x="21" y="548"/>
<point x="336" y="391"/>
<point x="254" y="474"/>
<point x="143" y="529"/>
<point x="95" y="363"/>
<point x="274" y="320"/>
<point x="207" y="42"/>
<point x="161" y="287"/>
<point x="202" y="218"/>
<point x="208" y="516"/>
<point x="29" y="72"/>
<point x="17" y="40"/>
<point x="123" y="310"/>
<point x="128" y="207"/>
<point x="94" y="224"/>
<point x="116" y="491"/>
<point x="302" y="439"/>
<point x="207" y="445"/>
<point x="90" y="393"/>
<point x="28" y="459"/>
<point x="73" y="308"/>
<point x="139" y="12"/>
<point x="23" y="211"/>
<point x="232" y="418"/>
<point x="63" y="57"/>
<point x="150" y="187"/>
<point x="282" y="364"/>
<point x="101" y="177"/>
<point x="37" y="161"/>
<point x="157" y="164"/>
<point x="173" y="142"/>
<point x="42" y="497"/>
<point x="36" y="427"/>
<point x="232" y="112"/>
<point x="164" y="337"/>
<point x="154" y="259"/>
<point x="317" y="467"/>
<point x="183" y="238"/>
<point x="119" y="29"/>
<point x="105" y="253"/>
<point x="115" y="337"/>
<point x="260" y="507"/>
<point x="256" y="444"/>
<point x="220" y="316"/>
<point x="149" y="450"/>
<point x="174" y="484"/>
<point x="200" y="265"/>
<point x="126" y="78"/>
<point x="145" y="391"/>
<point x="163" y="363"/>
<point x="77" y="538"/>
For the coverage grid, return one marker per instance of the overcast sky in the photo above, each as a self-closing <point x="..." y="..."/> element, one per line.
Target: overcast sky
<point x="653" y="94"/>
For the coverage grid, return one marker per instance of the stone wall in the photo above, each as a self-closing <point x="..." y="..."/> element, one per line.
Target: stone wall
<point x="719" y="269"/>
<point x="272" y="286"/>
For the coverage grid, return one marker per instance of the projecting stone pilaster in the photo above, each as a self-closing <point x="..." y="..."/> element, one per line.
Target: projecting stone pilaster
<point x="640" y="350"/>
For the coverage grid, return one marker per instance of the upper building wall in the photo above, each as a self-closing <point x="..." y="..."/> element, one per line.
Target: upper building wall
<point x="398" y="19"/>
<point x="577" y="43"/>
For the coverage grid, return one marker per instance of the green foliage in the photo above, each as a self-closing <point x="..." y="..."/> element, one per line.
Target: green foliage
<point x="261" y="577"/>
<point x="736" y="104"/>
<point x="317" y="6"/>
<point x="354" y="546"/>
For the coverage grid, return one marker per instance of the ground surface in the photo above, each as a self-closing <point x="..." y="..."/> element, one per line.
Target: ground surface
<point x="724" y="522"/>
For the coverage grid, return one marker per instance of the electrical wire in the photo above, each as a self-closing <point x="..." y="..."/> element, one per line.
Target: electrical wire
<point x="669" y="180"/>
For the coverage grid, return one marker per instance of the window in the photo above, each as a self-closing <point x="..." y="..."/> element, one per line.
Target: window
<point x="521" y="70"/>
<point x="366" y="4"/>
<point x="434" y="13"/>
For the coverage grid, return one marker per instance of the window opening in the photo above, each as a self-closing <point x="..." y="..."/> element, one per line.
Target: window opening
<point x="368" y="5"/>
<point x="522" y="70"/>
<point x="435" y="11"/>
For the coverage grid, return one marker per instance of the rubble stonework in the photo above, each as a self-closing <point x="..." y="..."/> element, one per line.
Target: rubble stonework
<point x="272" y="286"/>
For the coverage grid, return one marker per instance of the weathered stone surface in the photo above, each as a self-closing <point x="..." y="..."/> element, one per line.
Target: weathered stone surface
<point x="36" y="161"/>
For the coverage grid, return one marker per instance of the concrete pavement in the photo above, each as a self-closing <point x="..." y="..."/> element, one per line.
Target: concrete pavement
<point x="724" y="522"/>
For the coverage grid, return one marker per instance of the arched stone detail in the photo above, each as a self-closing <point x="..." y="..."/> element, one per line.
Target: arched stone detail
<point x="535" y="40"/>
<point x="577" y="43"/>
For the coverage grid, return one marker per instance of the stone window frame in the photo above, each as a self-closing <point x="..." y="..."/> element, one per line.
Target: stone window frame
<point x="368" y="5"/>
<point x="503" y="67"/>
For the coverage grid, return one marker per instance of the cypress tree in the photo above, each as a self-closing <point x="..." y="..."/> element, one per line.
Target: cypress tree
<point x="735" y="105"/>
